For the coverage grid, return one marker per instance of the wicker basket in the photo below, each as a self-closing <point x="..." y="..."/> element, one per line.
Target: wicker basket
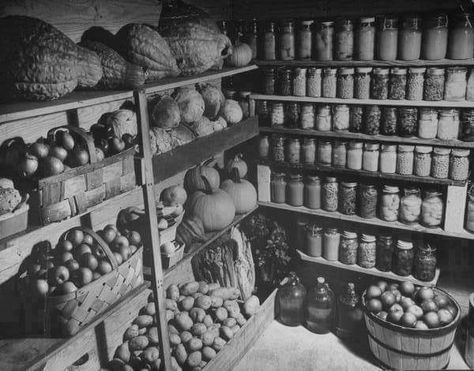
<point x="402" y="348"/>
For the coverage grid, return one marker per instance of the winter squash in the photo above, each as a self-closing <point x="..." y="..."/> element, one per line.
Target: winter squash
<point x="241" y="191"/>
<point x="193" y="180"/>
<point x="237" y="163"/>
<point x="241" y="55"/>
<point x="232" y="112"/>
<point x="190" y="230"/>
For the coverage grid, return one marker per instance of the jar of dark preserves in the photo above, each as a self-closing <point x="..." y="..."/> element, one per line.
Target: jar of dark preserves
<point x="384" y="257"/>
<point x="348" y="198"/>
<point x="263" y="112"/>
<point x="371" y="122"/>
<point x="285" y="82"/>
<point x="403" y="257"/>
<point x="408" y="119"/>
<point x="398" y="83"/>
<point x="291" y="299"/>
<point x="355" y="119"/>
<point x="368" y="201"/>
<point x="350" y="316"/>
<point x="425" y="262"/>
<point x="379" y="83"/>
<point x="389" y="120"/>
<point x="292" y="115"/>
<point x="269" y="81"/>
<point x="348" y="248"/>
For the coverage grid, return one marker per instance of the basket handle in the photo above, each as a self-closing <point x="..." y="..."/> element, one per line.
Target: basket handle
<point x="87" y="139"/>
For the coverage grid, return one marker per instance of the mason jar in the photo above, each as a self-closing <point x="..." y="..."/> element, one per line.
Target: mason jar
<point x="348" y="248"/>
<point x="428" y="123"/>
<point x="367" y="251"/>
<point x="390" y="203"/>
<point x="388" y="158"/>
<point x="385" y="248"/>
<point x="312" y="192"/>
<point x="339" y="154"/>
<point x="354" y="155"/>
<point x="295" y="190"/>
<point x="425" y="262"/>
<point x="405" y="159"/>
<point x="403" y="257"/>
<point x="370" y="161"/>
<point x="345" y="83"/>
<point x="440" y="162"/>
<point x="348" y="198"/>
<point x="423" y="160"/>
<point x="432" y="209"/>
<point x="330" y="194"/>
<point x="341" y="117"/>
<point x="365" y="40"/>
<point x="324" y="118"/>
<point x="344" y="43"/>
<point x="456" y="83"/>
<point x="324" y="153"/>
<point x="368" y="196"/>
<point x="410" y="206"/>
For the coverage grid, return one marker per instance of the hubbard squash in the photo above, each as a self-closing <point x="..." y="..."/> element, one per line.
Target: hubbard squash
<point x="193" y="180"/>
<point x="241" y="191"/>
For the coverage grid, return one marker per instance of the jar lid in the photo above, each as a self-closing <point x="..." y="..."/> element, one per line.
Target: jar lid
<point x="423" y="149"/>
<point x="432" y="193"/>
<point x="330" y="71"/>
<point x="341" y="107"/>
<point x="417" y="70"/>
<point x="340" y="143"/>
<point x="428" y="110"/>
<point x="364" y="69"/>
<point x="405" y="148"/>
<point x="326" y="107"/>
<point x="349" y="235"/>
<point x="356" y="145"/>
<point x="437" y="20"/>
<point x="381" y="71"/>
<point x="314" y="70"/>
<point x="277" y="104"/>
<point x="349" y="184"/>
<point x="331" y="179"/>
<point x="404" y="245"/>
<point x="308" y="22"/>
<point x="313" y="228"/>
<point x="245" y="94"/>
<point x="331" y="230"/>
<point x="388" y="22"/>
<point x="346" y="71"/>
<point x="456" y="69"/>
<point x="385" y="237"/>
<point x="327" y="23"/>
<point x="441" y="151"/>
<point x="398" y="71"/>
<point x="299" y="70"/>
<point x="389" y="147"/>
<point x="279" y="175"/>
<point x="411" y="21"/>
<point x="296" y="177"/>
<point x="390" y="189"/>
<point x="368" y="237"/>
<point x="371" y="146"/>
<point x="435" y="71"/>
<point x="313" y="178"/>
<point x="367" y="19"/>
<point x="448" y="112"/>
<point x="461" y="152"/>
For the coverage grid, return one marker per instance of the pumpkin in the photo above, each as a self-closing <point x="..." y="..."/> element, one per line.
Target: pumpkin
<point x="241" y="191"/>
<point x="122" y="121"/>
<point x="232" y="112"/>
<point x="236" y="163"/>
<point x="166" y="113"/>
<point x="191" y="104"/>
<point x="214" y="207"/>
<point x="173" y="195"/>
<point x="193" y="180"/>
<point x="241" y="55"/>
<point x="190" y="230"/>
<point x="213" y="100"/>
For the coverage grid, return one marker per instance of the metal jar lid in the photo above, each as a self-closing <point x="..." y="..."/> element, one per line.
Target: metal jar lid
<point x="441" y="151"/>
<point x="460" y="152"/>
<point x="364" y="69"/>
<point x="390" y="189"/>
<point x="405" y="148"/>
<point x="398" y="71"/>
<point x="368" y="238"/>
<point x="423" y="149"/>
<point x="372" y="146"/>
<point x="349" y="235"/>
<point x="404" y="245"/>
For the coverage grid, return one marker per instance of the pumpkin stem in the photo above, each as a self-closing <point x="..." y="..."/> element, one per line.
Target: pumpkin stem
<point x="207" y="185"/>
<point x="235" y="175"/>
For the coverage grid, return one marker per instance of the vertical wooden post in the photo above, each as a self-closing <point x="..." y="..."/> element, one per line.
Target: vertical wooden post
<point x="263" y="181"/>
<point x="455" y="207"/>
<point x="150" y="207"/>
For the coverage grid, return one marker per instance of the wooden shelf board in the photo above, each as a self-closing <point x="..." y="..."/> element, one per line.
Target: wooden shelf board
<point x="366" y="137"/>
<point x="365" y="173"/>
<point x="417" y="228"/>
<point x="374" y="63"/>
<point x="365" y="102"/>
<point x="370" y="271"/>
<point x="181" y="158"/>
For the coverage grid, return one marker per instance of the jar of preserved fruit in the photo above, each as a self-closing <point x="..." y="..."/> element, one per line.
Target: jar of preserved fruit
<point x="365" y="39"/>
<point x="403" y="257"/>
<point x="389" y="120"/>
<point x="277" y="114"/>
<point x="292" y="115"/>
<point x="440" y="163"/>
<point x="448" y="124"/>
<point x="354" y="156"/>
<point x="314" y="240"/>
<point x="372" y="115"/>
<point x="470" y="210"/>
<point x="410" y="206"/>
<point x="331" y="241"/>
<point x="461" y="37"/>
<point x="425" y="262"/>
<point x="299" y="82"/>
<point x="295" y="190"/>
<point x="379" y="83"/>
<point x="390" y="203"/>
<point x="307" y="116"/>
<point x="263" y="113"/>
<point x="278" y="188"/>
<point x="398" y="83"/>
<point x="344" y="40"/>
<point x="368" y="201"/>
<point x="408" y="119"/>
<point x="305" y="40"/>
<point x="324" y="41"/>
<point x="405" y="159"/>
<point x="309" y="151"/>
<point x="456" y="84"/>
<point x="459" y="164"/>
<point x="348" y="198"/>
<point x="291" y="300"/>
<point x="341" y="117"/>
<point x="329" y="194"/>
<point x="388" y="158"/>
<point x="367" y="251"/>
<point x="387" y="39"/>
<point x="269" y="42"/>
<point x="384" y="255"/>
<point x="435" y="37"/>
<point x="362" y="83"/>
<point x="263" y="146"/>
<point x="293" y="151"/>
<point x="345" y="83"/>
<point x="323" y="118"/>
<point x="339" y="154"/>
<point x="370" y="159"/>
<point x="269" y="81"/>
<point x="423" y="160"/>
<point x="432" y="209"/>
<point x="278" y="148"/>
<point x="329" y="83"/>
<point x="355" y="118"/>
<point x="324" y="153"/>
<point x="312" y="192"/>
<point x="320" y="308"/>
<point x="348" y="248"/>
<point x="434" y="84"/>
<point x="287" y="42"/>
<point x="313" y="82"/>
<point x="467" y="124"/>
<point x="428" y="123"/>
<point x="409" y="43"/>
<point x="285" y="82"/>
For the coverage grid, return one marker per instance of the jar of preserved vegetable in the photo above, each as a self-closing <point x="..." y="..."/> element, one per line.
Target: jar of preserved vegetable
<point x="312" y="192"/>
<point x="425" y="262"/>
<point x="367" y="251"/>
<point x="370" y="159"/>
<point x="354" y="155"/>
<point x="329" y="83"/>
<point x="263" y="113"/>
<point x="410" y="206"/>
<point x="432" y="209"/>
<point x="379" y="83"/>
<point x="368" y="201"/>
<point x="387" y="38"/>
<point x="293" y="150"/>
<point x="355" y="118"/>
<point x="314" y="240"/>
<point x="390" y="203"/>
<point x="384" y="247"/>
<point x="269" y="81"/>
<point x="329" y="194"/>
<point x="440" y="163"/>
<point x="313" y="82"/>
<point x="461" y="37"/>
<point x="344" y="40"/>
<point x="307" y="116"/>
<point x="388" y="158"/>
<point x="345" y="83"/>
<point x="331" y="241"/>
<point x="423" y="160"/>
<point x="348" y="248"/>
<point x="309" y="151"/>
<point x="324" y="41"/>
<point x="428" y="123"/>
<point x="348" y="198"/>
<point x="365" y="39"/>
<point x="304" y="40"/>
<point x="405" y="159"/>
<point x="285" y="82"/>
<point x="434" y="84"/>
<point x="448" y="124"/>
<point x="456" y="84"/>
<point x="295" y="190"/>
<point x="278" y="148"/>
<point x="403" y="257"/>
<point x="292" y="115"/>
<point x="459" y="164"/>
<point x="277" y="114"/>
<point x="341" y="117"/>
<point x="362" y="83"/>
<point x="435" y="37"/>
<point x="287" y="42"/>
<point x="398" y="83"/>
<point x="409" y="43"/>
<point x="467" y="124"/>
<point x="324" y="118"/>
<point x="470" y="210"/>
<point x="389" y="120"/>
<point x="324" y="153"/>
<point x="415" y="83"/>
<point x="470" y="86"/>
<point x="278" y="188"/>
<point x="339" y="153"/>
<point x="408" y="119"/>
<point x="263" y="146"/>
<point x="299" y="82"/>
<point x="371" y="122"/>
<point x="269" y="42"/>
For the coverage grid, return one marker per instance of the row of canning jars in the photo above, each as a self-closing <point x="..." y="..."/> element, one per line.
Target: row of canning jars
<point x="367" y="200"/>
<point x="415" y="83"/>
<point x="383" y="252"/>
<point x="384" y="38"/>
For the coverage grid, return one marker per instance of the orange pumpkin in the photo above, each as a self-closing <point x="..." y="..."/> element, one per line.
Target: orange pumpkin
<point x="241" y="191"/>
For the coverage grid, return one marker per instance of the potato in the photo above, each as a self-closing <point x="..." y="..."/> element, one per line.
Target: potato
<point x="150" y="354"/>
<point x="229" y="322"/>
<point x="116" y="365"/>
<point x="197" y="314"/>
<point x="208" y="353"/>
<point x="142" y="331"/>
<point x="171" y="304"/>
<point x="156" y="365"/>
<point x="216" y="301"/>
<point x="212" y="286"/>
<point x="187" y="303"/>
<point x="203" y="287"/>
<point x="251" y="306"/>
<point x="203" y="302"/>
<point x="218" y="344"/>
<point x="226" y="293"/>
<point x="221" y="314"/>
<point x="226" y="333"/>
<point x="194" y="344"/>
<point x="240" y="319"/>
<point x="180" y="354"/>
<point x="197" y="294"/>
<point x="169" y="315"/>
<point x="183" y="321"/>
<point x="172" y="329"/>
<point x="214" y="329"/>
<point x="150" y="309"/>
<point x="185" y="336"/>
<point x="194" y="359"/>
<point x="175" y="339"/>
<point x="152" y="335"/>
<point x="123" y="352"/>
<point x="138" y="343"/>
<point x="235" y="329"/>
<point x="208" y="338"/>
<point x="208" y="320"/>
<point x="143" y="320"/>
<point x="189" y="288"/>
<point x="172" y="292"/>
<point x="198" y="329"/>
<point x="131" y="332"/>
<point x="232" y="306"/>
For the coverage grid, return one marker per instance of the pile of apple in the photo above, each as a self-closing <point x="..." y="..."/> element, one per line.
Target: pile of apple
<point x="171" y="206"/>
<point x="410" y="306"/>
<point x="78" y="260"/>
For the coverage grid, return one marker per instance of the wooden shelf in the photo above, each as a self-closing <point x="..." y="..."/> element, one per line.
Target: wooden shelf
<point x="364" y="173"/>
<point x="365" y="102"/>
<point x="374" y="63"/>
<point x="369" y="271"/>
<point x="200" y="149"/>
<point x="365" y="137"/>
<point x="417" y="228"/>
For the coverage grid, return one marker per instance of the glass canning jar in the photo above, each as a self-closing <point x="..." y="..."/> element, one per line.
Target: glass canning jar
<point x="329" y="83"/>
<point x="278" y="188"/>
<point x="252" y="37"/>
<point x="390" y="203"/>
<point x="307" y="116"/>
<point x="345" y="83"/>
<point x="456" y="83"/>
<point x="278" y="148"/>
<point x="408" y="121"/>
<point x="467" y="124"/>
<point x="405" y="159"/>
<point x="277" y="114"/>
<point x="269" y="81"/>
<point x="292" y="114"/>
<point x="295" y="190"/>
<point x="331" y="241"/>
<point x="470" y="210"/>
<point x="440" y="162"/>
<point x="323" y="118"/>
<point x="354" y="156"/>
<point x="428" y="123"/>
<point x="448" y="124"/>
<point x="348" y="198"/>
<point x="425" y="262"/>
<point x="348" y="248"/>
<point x="371" y="121"/>
<point x="308" y="151"/>
<point x="362" y="82"/>
<point x="324" y="153"/>
<point x="388" y="158"/>
<point x="433" y="89"/>
<point x="344" y="42"/>
<point x="313" y="82"/>
<point x="339" y="154"/>
<point x="403" y="257"/>
<point x="387" y="38"/>
<point x="461" y="37"/>
<point x="355" y="119"/>
<point x="284" y="82"/>
<point x="415" y="83"/>
<point x="367" y="251"/>
<point x="432" y="209"/>
<point x="370" y="159"/>
<point x="410" y="206"/>
<point x="263" y="113"/>
<point x="320" y="306"/>
<point x="291" y="301"/>
<point x="398" y="83"/>
<point x="435" y="37"/>
<point x="299" y="82"/>
<point x="379" y="83"/>
<point x="287" y="42"/>
<point x="312" y="192"/>
<point x="459" y="164"/>
<point x="384" y="255"/>
<point x="365" y="39"/>
<point x="304" y="40"/>
<point x="389" y="120"/>
<point x="263" y="147"/>
<point x="423" y="160"/>
<point x="409" y="43"/>
<point x="329" y="194"/>
<point x="470" y="87"/>
<point x="314" y="240"/>
<point x="293" y="151"/>
<point x="341" y="117"/>
<point x="269" y="42"/>
<point x="324" y="41"/>
<point x="368" y="195"/>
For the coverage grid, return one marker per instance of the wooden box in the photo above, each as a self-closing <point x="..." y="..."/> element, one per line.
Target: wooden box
<point x="14" y="222"/>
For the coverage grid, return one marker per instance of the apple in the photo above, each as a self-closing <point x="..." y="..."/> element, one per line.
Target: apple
<point x="421" y="325"/>
<point x="393" y="286"/>
<point x="116" y="144"/>
<point x="383" y="285"/>
<point x="395" y="308"/>
<point x="406" y="302"/>
<point x="416" y="310"/>
<point x="33" y="269"/>
<point x="174" y="195"/>
<point x="407" y="288"/>
<point x="82" y="249"/>
<point x="133" y="249"/>
<point x="109" y="234"/>
<point x="58" y="152"/>
<point x="98" y="252"/>
<point x="88" y="260"/>
<point x="67" y="288"/>
<point x="373" y="292"/>
<point x="119" y="242"/>
<point x="111" y="226"/>
<point x="40" y="287"/>
<point x="445" y="316"/>
<point x="168" y="248"/>
<point x="76" y="236"/>
<point x="134" y="238"/>
<point x="429" y="306"/>
<point x="395" y="317"/>
<point x="65" y="257"/>
<point x="82" y="276"/>
<point x="104" y="267"/>
<point x="72" y="265"/>
<point x="124" y="252"/>
<point x="118" y="257"/>
<point x="59" y="275"/>
<point x="88" y="239"/>
<point x="441" y="300"/>
<point x="388" y="299"/>
<point x="96" y="276"/>
<point x="408" y="319"/>
<point x="431" y="319"/>
<point x="425" y="293"/>
<point x="65" y="245"/>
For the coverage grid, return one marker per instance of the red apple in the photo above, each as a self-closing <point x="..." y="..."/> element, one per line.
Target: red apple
<point x="58" y="152"/>
<point x="59" y="275"/>
<point x="104" y="267"/>
<point x="109" y="234"/>
<point x="76" y="236"/>
<point x="88" y="239"/>
<point x="66" y="288"/>
<point x="96" y="275"/>
<point x="82" y="276"/>
<point x="88" y="260"/>
<point x="125" y="252"/>
<point x="40" y="287"/>
<point x="72" y="265"/>
<point x="134" y="238"/>
<point x="82" y="249"/>
<point x="119" y="242"/>
<point x="65" y="257"/>
<point x="65" y="245"/>
<point x="118" y="257"/>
